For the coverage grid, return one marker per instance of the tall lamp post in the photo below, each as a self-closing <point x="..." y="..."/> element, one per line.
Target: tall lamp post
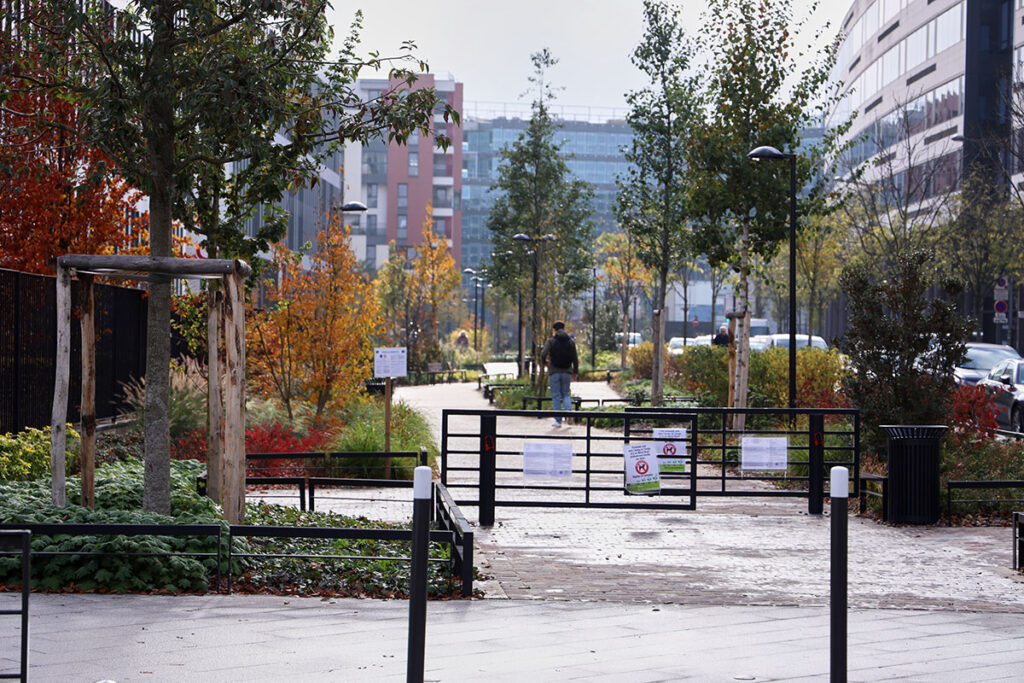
<point x="521" y="237"/>
<point x="767" y="152"/>
<point x="476" y="280"/>
<point x="593" y="324"/>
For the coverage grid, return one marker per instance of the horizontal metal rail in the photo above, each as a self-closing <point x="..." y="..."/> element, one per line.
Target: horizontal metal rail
<point x="20" y="541"/>
<point x="174" y="530"/>
<point x="979" y="484"/>
<point x="450" y="517"/>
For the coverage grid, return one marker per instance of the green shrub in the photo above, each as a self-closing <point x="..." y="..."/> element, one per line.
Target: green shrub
<point x="641" y="360"/>
<point x="364" y="431"/>
<point x="26" y="455"/>
<point x="118" y="490"/>
<point x="702" y="371"/>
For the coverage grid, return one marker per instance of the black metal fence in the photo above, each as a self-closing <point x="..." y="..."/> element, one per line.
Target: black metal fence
<point x="28" y="342"/>
<point x="482" y="456"/>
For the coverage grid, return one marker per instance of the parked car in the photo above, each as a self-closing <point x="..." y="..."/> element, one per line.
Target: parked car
<point x="979" y="360"/>
<point x="634" y="339"/>
<point x="760" y="342"/>
<point x="782" y="339"/>
<point x="1005" y="384"/>
<point x="677" y="344"/>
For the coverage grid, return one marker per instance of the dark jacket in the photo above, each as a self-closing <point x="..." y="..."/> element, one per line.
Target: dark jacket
<point x="575" y="369"/>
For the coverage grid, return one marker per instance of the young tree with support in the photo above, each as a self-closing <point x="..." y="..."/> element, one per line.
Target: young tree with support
<point x="228" y="471"/>
<point x="172" y="90"/>
<point x="653" y="203"/>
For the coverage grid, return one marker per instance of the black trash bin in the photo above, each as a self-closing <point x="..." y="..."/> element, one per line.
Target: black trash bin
<point x="914" y="473"/>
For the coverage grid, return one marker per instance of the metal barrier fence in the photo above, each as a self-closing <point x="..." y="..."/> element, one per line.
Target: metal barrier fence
<point x="20" y="541"/>
<point x="485" y="464"/>
<point x="28" y="342"/>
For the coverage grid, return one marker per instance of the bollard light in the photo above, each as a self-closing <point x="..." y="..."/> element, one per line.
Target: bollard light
<point x="840" y="491"/>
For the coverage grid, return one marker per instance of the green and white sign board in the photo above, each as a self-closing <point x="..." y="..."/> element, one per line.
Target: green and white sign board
<point x="761" y="453"/>
<point x="641" y="468"/>
<point x="670" y="446"/>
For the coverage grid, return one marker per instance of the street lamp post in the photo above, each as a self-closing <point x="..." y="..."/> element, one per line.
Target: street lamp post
<point x="767" y="152"/>
<point x="593" y="325"/>
<point x="476" y="280"/>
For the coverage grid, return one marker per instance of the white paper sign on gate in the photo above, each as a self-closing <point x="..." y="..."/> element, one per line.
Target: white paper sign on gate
<point x="759" y="453"/>
<point x="547" y="460"/>
<point x="670" y="446"/>
<point x="389" y="361"/>
<point x="641" y="468"/>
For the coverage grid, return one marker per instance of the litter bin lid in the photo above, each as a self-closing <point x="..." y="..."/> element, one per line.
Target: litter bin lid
<point x="914" y="431"/>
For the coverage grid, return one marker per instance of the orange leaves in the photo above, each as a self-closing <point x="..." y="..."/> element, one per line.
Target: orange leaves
<point x="311" y="343"/>
<point x="57" y="196"/>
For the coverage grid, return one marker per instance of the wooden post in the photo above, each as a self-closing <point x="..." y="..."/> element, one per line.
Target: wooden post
<point x="87" y="309"/>
<point x="214" y="401"/>
<point x="233" y="464"/>
<point x="59" y="414"/>
<point x="732" y="366"/>
<point x="387" y="426"/>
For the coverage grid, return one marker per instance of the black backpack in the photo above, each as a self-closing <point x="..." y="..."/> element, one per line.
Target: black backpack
<point x="561" y="352"/>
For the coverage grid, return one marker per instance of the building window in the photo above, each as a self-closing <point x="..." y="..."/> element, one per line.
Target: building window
<point x="371" y="224"/>
<point x="371" y="195"/>
<point x="403" y="228"/>
<point x="414" y="137"/>
<point x="403" y="196"/>
<point x="414" y="164"/>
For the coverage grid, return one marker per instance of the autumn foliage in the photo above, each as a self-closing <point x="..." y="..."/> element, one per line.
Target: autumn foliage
<point x="57" y="195"/>
<point x="310" y="344"/>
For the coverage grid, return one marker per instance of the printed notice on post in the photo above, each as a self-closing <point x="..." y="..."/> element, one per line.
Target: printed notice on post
<point x="670" y="445"/>
<point x="760" y="453"/>
<point x="641" y="468"/>
<point x="547" y="460"/>
<point x="389" y="362"/>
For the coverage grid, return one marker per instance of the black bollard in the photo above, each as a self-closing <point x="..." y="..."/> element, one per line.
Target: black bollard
<point x="421" y="500"/>
<point x="840" y="492"/>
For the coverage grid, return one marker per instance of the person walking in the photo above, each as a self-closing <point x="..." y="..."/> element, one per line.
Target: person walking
<point x="722" y="338"/>
<point x="559" y="353"/>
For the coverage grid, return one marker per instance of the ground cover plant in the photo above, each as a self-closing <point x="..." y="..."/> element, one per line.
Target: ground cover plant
<point x="347" y="567"/>
<point x="118" y="493"/>
<point x="25" y="455"/>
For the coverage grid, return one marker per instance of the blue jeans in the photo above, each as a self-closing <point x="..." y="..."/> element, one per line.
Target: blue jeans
<point x="559" y="382"/>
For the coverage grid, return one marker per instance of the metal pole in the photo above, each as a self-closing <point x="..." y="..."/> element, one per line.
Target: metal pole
<point x="792" y="281"/>
<point x="476" y="290"/>
<point x="533" y="314"/>
<point x="519" y="333"/>
<point x="840" y="491"/>
<point x="593" y="327"/>
<point x="483" y="307"/>
<point x="421" y="499"/>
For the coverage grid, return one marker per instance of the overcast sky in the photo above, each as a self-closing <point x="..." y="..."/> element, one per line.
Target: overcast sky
<point x="487" y="45"/>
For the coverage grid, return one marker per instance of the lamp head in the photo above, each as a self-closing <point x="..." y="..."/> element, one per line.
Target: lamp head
<point x="766" y="152"/>
<point x="353" y="206"/>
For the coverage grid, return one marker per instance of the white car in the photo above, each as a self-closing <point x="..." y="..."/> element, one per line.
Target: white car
<point x="782" y="339"/>
<point x="760" y="342"/>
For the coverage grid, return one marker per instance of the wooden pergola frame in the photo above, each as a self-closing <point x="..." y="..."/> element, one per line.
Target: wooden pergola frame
<point x="226" y="455"/>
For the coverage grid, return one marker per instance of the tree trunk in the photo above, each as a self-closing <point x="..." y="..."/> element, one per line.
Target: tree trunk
<point x="87" y="310"/>
<point x="658" y="335"/>
<point x="625" y="338"/>
<point x="743" y="333"/>
<point x="158" y="129"/>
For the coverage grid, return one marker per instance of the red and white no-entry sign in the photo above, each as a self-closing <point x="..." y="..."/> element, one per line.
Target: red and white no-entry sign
<point x="669" y="448"/>
<point x="641" y="467"/>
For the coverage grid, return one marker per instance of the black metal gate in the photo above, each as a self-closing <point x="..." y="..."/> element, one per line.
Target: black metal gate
<point x="482" y="459"/>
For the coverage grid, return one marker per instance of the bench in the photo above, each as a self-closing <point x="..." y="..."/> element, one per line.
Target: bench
<point x="979" y="484"/>
<point x="491" y="389"/>
<point x="883" y="492"/>
<point x="539" y="400"/>
<point x="439" y="370"/>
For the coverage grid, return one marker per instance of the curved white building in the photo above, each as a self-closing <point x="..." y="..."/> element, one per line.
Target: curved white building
<point x="919" y="72"/>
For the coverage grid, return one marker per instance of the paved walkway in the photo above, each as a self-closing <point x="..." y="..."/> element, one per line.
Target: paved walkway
<point x="729" y="592"/>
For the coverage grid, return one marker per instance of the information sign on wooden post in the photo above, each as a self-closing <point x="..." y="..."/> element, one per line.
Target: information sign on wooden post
<point x="389" y="362"/>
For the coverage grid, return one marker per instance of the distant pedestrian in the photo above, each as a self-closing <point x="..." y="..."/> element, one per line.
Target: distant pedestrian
<point x="564" y="365"/>
<point x="462" y="342"/>
<point x="722" y="338"/>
